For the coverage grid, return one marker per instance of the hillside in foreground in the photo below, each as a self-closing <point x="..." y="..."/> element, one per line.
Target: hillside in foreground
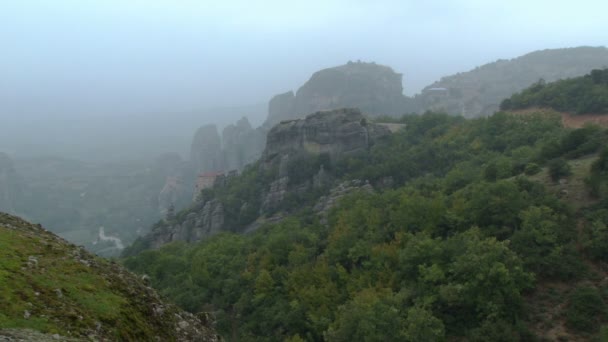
<point x="53" y="290"/>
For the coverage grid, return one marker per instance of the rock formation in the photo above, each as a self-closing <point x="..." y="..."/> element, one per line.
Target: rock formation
<point x="242" y="144"/>
<point x="326" y="203"/>
<point x="206" y="150"/>
<point x="204" y="220"/>
<point x="239" y="145"/>
<point x="275" y="195"/>
<point x="335" y="132"/>
<point x="372" y="88"/>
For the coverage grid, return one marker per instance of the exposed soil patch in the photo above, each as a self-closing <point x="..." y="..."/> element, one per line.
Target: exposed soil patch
<point x="568" y="120"/>
<point x="578" y="121"/>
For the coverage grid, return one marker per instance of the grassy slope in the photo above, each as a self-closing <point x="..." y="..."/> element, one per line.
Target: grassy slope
<point x="54" y="287"/>
<point x="573" y="189"/>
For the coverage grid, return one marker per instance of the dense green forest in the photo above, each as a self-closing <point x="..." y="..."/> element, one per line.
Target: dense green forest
<point x="580" y="95"/>
<point x="470" y="241"/>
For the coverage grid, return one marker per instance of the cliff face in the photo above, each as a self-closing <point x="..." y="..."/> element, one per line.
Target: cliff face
<point x="66" y="293"/>
<point x="480" y="91"/>
<point x="206" y="150"/>
<point x="336" y="133"/>
<point x="10" y="186"/>
<point x="333" y="133"/>
<point x="374" y="89"/>
<point x="206" y="220"/>
<point x="242" y="144"/>
<point x="239" y="145"/>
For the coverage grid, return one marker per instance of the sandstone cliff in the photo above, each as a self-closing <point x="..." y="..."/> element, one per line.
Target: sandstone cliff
<point x="242" y="144"/>
<point x="239" y="145"/>
<point x="206" y="150"/>
<point x="292" y="169"/>
<point x="372" y="88"/>
<point x="205" y="220"/>
<point x="335" y="133"/>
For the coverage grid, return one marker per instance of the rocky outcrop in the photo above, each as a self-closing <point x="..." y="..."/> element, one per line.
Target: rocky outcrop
<point x="242" y="144"/>
<point x="206" y="150"/>
<point x="373" y="88"/>
<point x="10" y="186"/>
<point x="205" y="220"/>
<point x="239" y="145"/>
<point x="326" y="203"/>
<point x="337" y="132"/>
<point x="275" y="195"/>
<point x="333" y="133"/>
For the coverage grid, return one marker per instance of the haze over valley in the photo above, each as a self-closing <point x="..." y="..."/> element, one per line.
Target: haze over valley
<point x="303" y="171"/>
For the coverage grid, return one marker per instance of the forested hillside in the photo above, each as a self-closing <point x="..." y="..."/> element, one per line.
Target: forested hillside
<point x="491" y="229"/>
<point x="581" y="95"/>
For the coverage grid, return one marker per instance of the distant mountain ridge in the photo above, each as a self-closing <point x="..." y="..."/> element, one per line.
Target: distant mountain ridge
<point x="479" y="92"/>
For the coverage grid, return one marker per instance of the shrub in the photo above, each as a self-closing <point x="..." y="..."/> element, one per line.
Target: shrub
<point x="532" y="169"/>
<point x="585" y="309"/>
<point x="559" y="168"/>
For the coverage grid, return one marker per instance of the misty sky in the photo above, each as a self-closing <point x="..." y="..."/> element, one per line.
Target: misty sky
<point x="94" y="57"/>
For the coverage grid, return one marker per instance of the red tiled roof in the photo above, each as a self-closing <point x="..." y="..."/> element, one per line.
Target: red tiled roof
<point x="210" y="174"/>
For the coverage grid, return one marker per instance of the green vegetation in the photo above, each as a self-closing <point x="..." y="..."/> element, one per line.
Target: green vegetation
<point x="53" y="287"/>
<point x="586" y="309"/>
<point x="471" y="227"/>
<point x="580" y="95"/>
